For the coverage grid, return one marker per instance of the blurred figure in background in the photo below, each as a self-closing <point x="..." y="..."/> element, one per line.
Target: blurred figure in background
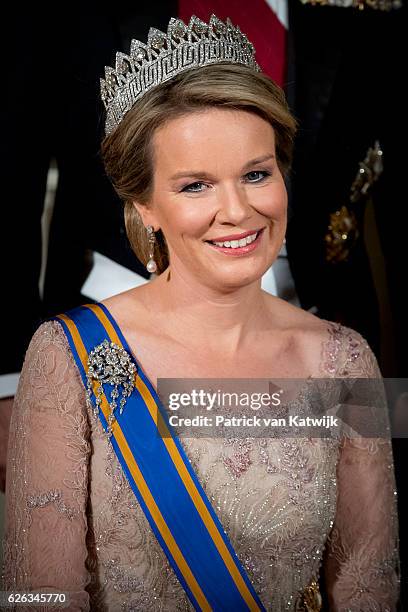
<point x="51" y="109"/>
<point x="344" y="86"/>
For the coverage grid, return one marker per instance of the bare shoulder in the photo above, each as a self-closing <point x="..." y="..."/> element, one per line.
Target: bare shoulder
<point x="290" y="317"/>
<point x="309" y="336"/>
<point x="129" y="306"/>
<point x="329" y="347"/>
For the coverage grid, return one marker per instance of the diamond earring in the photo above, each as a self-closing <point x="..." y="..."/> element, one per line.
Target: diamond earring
<point x="151" y="265"/>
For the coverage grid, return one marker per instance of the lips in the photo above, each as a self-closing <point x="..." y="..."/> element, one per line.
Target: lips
<point x="234" y="236"/>
<point x="234" y="249"/>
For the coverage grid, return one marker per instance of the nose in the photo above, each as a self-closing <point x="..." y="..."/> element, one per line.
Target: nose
<point x="233" y="205"/>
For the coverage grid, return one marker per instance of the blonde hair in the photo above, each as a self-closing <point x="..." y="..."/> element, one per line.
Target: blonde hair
<point x="127" y="152"/>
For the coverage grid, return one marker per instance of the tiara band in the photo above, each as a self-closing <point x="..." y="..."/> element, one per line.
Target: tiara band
<point x="167" y="55"/>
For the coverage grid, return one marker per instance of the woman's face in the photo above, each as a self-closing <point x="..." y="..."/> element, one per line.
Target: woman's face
<point x="218" y="196"/>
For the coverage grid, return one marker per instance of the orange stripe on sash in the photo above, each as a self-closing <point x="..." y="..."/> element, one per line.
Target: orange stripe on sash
<point x="134" y="468"/>
<point x="183" y="472"/>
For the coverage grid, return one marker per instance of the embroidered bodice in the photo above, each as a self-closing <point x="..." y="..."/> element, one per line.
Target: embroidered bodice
<point x="291" y="507"/>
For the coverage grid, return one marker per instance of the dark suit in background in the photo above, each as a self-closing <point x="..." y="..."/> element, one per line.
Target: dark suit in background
<point x="51" y="110"/>
<point x="346" y="87"/>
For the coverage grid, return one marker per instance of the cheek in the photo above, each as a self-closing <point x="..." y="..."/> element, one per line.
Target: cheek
<point x="189" y="219"/>
<point x="271" y="202"/>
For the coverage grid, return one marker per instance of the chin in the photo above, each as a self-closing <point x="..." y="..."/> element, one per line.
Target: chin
<point x="238" y="278"/>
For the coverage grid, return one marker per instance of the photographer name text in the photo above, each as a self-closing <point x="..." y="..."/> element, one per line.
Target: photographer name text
<point x="252" y="421"/>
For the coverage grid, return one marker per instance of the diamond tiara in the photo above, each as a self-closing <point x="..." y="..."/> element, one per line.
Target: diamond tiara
<point x="166" y="55"/>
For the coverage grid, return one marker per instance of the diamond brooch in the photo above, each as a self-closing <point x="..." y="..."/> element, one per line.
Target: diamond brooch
<point x="109" y="363"/>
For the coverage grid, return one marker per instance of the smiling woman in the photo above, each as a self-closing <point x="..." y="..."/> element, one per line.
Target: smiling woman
<point x="172" y="121"/>
<point x="104" y="501"/>
<point x="222" y="204"/>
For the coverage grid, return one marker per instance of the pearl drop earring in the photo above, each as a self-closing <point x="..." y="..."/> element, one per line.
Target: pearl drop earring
<point x="151" y="265"/>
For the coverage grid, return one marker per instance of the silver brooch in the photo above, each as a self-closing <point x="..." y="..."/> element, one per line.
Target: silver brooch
<point x="109" y="363"/>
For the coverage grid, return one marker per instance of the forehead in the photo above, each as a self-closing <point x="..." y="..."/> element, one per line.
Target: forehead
<point x="213" y="138"/>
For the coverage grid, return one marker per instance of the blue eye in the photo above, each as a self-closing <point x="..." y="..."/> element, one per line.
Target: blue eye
<point x="189" y="190"/>
<point x="255" y="176"/>
<point x="265" y="173"/>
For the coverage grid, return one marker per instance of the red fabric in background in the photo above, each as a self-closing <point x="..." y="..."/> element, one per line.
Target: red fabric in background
<point x="257" y="20"/>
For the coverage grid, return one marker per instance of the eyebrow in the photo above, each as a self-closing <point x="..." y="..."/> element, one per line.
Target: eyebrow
<point x="203" y="174"/>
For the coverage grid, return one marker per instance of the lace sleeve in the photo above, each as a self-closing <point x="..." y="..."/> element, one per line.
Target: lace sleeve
<point x="361" y="566"/>
<point x="44" y="545"/>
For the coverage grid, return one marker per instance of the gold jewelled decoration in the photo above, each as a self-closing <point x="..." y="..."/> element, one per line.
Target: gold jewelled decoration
<point x="343" y="229"/>
<point x="379" y="5"/>
<point x="109" y="363"/>
<point x="311" y="598"/>
<point x="368" y="173"/>
<point x="168" y="54"/>
<point x="342" y="235"/>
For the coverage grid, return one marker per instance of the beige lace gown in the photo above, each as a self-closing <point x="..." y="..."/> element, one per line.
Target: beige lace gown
<point x="291" y="507"/>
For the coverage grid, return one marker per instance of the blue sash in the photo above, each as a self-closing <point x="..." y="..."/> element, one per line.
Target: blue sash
<point x="162" y="477"/>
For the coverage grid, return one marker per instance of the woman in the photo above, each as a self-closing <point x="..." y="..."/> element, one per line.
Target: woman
<point x="198" y="153"/>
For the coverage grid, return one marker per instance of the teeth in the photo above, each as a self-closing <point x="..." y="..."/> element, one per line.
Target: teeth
<point x="233" y="244"/>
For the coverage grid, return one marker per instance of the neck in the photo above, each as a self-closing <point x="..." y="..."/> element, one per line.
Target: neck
<point x="206" y="316"/>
